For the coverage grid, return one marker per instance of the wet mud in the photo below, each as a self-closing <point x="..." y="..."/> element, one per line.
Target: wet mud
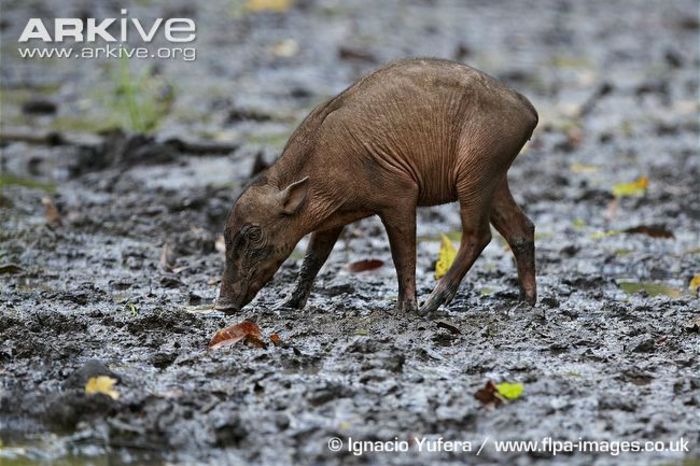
<point x="110" y="252"/>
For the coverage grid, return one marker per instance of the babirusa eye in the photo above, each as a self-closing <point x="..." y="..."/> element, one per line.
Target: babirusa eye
<point x="254" y="234"/>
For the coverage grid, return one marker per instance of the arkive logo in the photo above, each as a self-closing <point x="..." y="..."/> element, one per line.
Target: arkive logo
<point x="178" y="30"/>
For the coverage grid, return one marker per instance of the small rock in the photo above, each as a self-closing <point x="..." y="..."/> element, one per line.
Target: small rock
<point x="616" y="401"/>
<point x="673" y="58"/>
<point x="69" y="408"/>
<point x="356" y="54"/>
<point x="641" y="344"/>
<point x="326" y="393"/>
<point x="549" y="301"/>
<point x="282" y="421"/>
<point x="163" y="360"/>
<point x="39" y="107"/>
<point x="229" y="431"/>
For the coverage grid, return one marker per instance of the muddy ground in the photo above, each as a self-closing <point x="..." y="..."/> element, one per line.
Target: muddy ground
<point x="610" y="352"/>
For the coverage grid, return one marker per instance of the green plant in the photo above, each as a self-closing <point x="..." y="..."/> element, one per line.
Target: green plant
<point x="140" y="103"/>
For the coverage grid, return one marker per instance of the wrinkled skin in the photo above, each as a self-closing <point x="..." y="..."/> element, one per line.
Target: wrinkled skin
<point x="417" y="132"/>
<point x="257" y="240"/>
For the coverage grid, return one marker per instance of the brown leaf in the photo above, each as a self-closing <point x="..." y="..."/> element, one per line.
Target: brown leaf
<point x="365" y="265"/>
<point x="51" y="213"/>
<point x="235" y="333"/>
<point x="451" y="328"/>
<point x="655" y="231"/>
<point x="276" y="340"/>
<point x="10" y="269"/>
<point x="255" y="341"/>
<point x="488" y="395"/>
<point x="167" y="257"/>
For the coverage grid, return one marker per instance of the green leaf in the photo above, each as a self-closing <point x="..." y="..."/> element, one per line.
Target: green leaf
<point x="131" y="308"/>
<point x="510" y="391"/>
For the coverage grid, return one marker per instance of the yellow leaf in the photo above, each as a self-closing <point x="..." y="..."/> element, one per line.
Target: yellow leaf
<point x="279" y="6"/>
<point x="583" y="168"/>
<point x="605" y="234"/>
<point x="510" y="391"/>
<point x="635" y="188"/>
<point x="695" y="283"/>
<point x="102" y="384"/>
<point x="650" y="288"/>
<point x="446" y="257"/>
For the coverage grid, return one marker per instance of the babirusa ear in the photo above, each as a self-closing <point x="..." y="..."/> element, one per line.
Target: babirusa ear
<point x="293" y="196"/>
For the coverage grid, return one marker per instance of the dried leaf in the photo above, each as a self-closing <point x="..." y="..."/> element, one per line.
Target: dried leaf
<point x="201" y="309"/>
<point x="636" y="188"/>
<point x="449" y="327"/>
<point x="488" y="395"/>
<point x="694" y="285"/>
<point x="10" y="269"/>
<point x="167" y="257"/>
<point x="365" y="265"/>
<point x="584" y="169"/>
<point x="276" y="340"/>
<point x="102" y="384"/>
<point x="279" y="6"/>
<point x="652" y="289"/>
<point x="510" y="391"/>
<point x="496" y="394"/>
<point x="255" y="341"/>
<point x="446" y="257"/>
<point x="655" y="231"/>
<point x="51" y="213"/>
<point x="235" y="333"/>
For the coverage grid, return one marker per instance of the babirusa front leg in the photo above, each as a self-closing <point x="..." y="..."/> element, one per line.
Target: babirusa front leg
<point x="319" y="248"/>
